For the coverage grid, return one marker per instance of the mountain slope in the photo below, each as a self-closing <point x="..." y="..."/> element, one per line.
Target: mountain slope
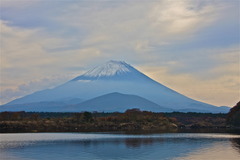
<point x="115" y="76"/>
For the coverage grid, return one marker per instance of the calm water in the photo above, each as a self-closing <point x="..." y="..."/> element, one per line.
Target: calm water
<point x="84" y="146"/>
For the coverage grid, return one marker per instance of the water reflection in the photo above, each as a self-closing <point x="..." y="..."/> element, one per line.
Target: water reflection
<point x="236" y="144"/>
<point x="127" y="142"/>
<point x="108" y="147"/>
<point x="136" y="142"/>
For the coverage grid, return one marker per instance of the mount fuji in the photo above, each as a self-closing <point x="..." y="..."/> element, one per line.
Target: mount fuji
<point x="113" y="86"/>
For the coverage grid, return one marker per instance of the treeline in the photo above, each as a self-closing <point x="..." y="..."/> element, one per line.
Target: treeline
<point x="199" y="120"/>
<point x="131" y="120"/>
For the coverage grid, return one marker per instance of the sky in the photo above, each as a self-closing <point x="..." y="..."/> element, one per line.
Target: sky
<point x="191" y="46"/>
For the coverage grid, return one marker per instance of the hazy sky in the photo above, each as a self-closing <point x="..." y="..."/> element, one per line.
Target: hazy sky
<point x="190" y="46"/>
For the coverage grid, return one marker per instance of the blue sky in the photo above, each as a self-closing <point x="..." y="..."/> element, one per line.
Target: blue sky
<point x="191" y="46"/>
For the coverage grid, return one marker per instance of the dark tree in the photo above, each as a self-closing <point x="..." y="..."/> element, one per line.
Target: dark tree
<point x="87" y="116"/>
<point x="233" y="117"/>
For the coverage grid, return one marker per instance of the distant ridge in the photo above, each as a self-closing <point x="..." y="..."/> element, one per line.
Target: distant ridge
<point x="120" y="102"/>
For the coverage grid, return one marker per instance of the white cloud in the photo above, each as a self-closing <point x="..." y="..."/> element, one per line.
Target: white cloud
<point x="134" y="30"/>
<point x="25" y="57"/>
<point x="31" y="86"/>
<point x="182" y="17"/>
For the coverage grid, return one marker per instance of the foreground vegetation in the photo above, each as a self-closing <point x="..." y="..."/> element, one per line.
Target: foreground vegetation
<point x="131" y="120"/>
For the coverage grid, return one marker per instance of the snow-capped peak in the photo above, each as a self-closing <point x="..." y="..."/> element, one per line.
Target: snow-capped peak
<point x="110" y="68"/>
<point x="113" y="70"/>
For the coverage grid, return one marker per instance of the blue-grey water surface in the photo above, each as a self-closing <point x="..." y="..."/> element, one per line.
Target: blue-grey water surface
<point x="96" y="146"/>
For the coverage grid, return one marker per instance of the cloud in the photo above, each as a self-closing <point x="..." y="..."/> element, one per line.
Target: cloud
<point x="17" y="3"/>
<point x="26" y="55"/>
<point x="181" y="17"/>
<point x="29" y="87"/>
<point x="21" y="53"/>
<point x="127" y="24"/>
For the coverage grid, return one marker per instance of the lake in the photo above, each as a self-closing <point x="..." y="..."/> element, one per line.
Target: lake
<point x="107" y="146"/>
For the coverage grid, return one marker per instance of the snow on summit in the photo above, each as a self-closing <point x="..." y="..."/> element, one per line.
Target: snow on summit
<point x="110" y="68"/>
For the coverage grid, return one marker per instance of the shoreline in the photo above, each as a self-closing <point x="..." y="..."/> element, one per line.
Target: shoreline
<point x="130" y="121"/>
<point x="149" y="131"/>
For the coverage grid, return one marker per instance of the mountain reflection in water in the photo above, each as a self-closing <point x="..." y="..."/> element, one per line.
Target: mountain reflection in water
<point x="73" y="146"/>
